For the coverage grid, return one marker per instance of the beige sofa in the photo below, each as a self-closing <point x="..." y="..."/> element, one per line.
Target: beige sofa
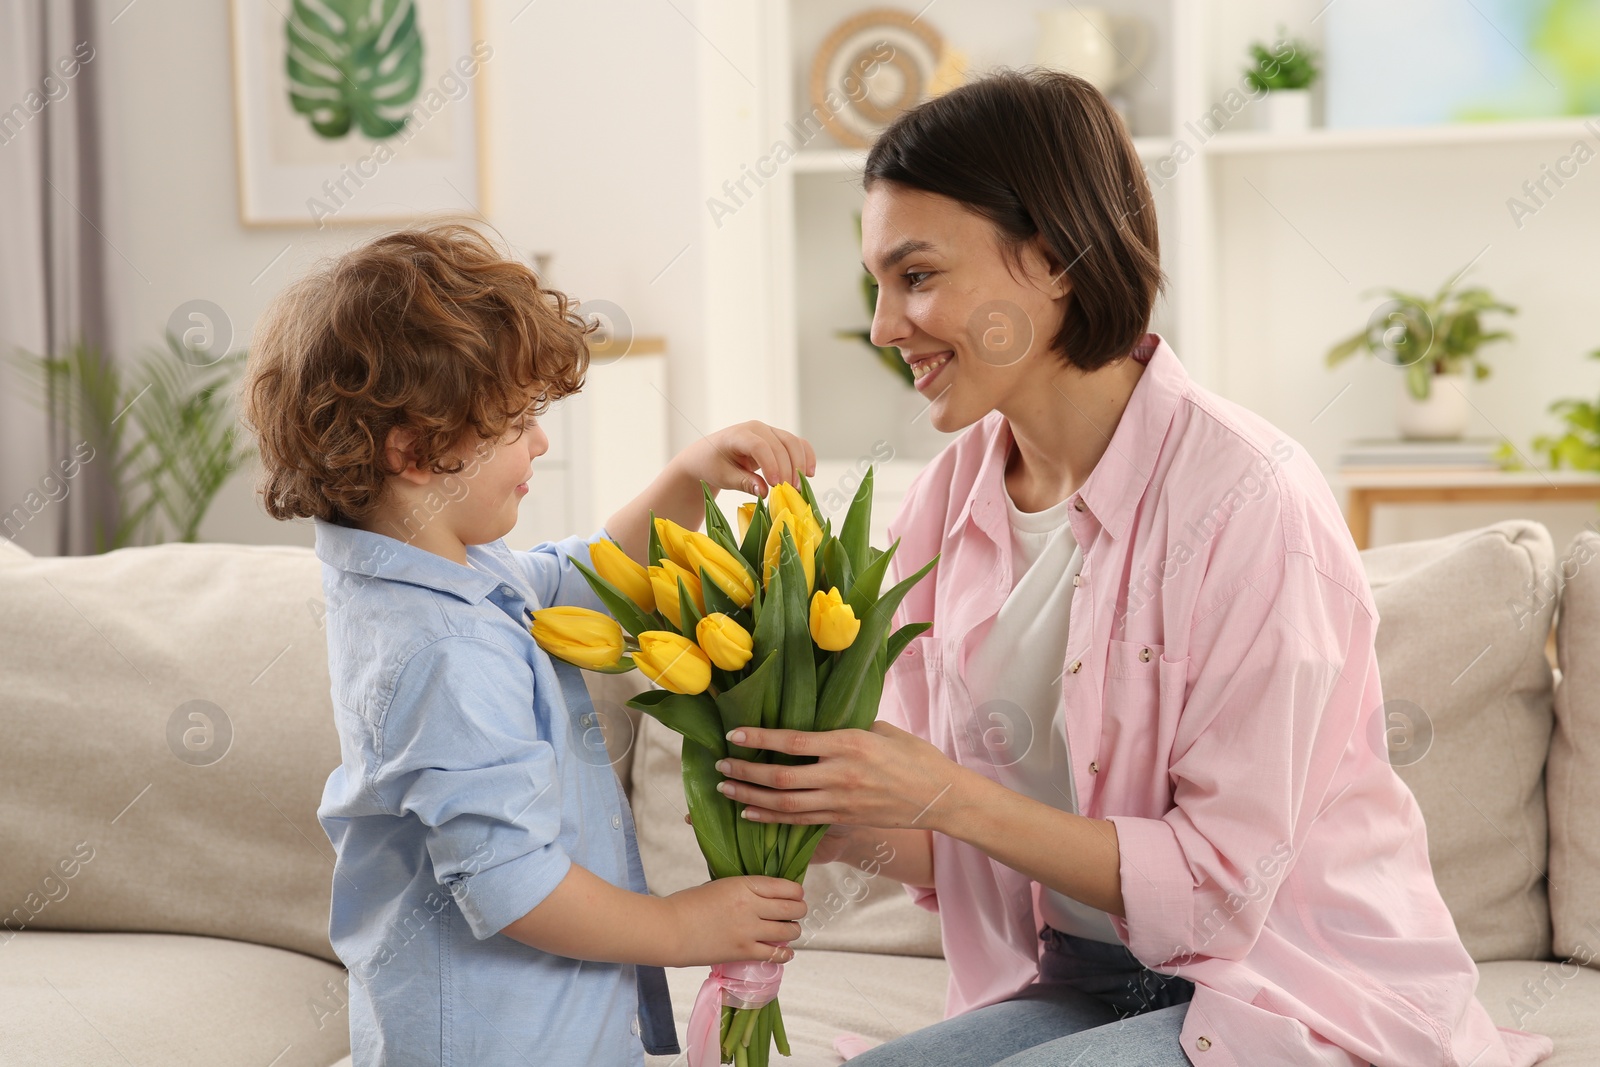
<point x="165" y="883"/>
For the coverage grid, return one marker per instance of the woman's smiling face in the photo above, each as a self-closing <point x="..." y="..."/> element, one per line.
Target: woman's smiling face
<point x="974" y="320"/>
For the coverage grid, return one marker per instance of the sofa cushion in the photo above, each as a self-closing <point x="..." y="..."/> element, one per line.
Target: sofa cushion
<point x="1573" y="789"/>
<point x="108" y="1000"/>
<point x="169" y="730"/>
<point x="1467" y="720"/>
<point x="1560" y="1000"/>
<point x="851" y="910"/>
<point x="826" y="994"/>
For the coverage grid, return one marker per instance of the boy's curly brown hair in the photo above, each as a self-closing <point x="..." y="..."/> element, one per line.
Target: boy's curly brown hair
<point x="431" y="329"/>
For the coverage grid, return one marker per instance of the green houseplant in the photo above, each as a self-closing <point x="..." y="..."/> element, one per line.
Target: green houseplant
<point x="1287" y="65"/>
<point x="166" y="430"/>
<point x="1428" y="336"/>
<point x="1433" y="339"/>
<point x="1579" y="447"/>
<point x="1282" y="75"/>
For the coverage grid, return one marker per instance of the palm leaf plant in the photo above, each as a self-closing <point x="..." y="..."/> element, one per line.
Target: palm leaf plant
<point x="165" y="433"/>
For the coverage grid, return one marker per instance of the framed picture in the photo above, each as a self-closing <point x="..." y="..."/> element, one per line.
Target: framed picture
<point x="357" y="111"/>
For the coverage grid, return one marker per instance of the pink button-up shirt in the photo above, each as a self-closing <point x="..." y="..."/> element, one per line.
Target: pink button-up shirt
<point x="1218" y="693"/>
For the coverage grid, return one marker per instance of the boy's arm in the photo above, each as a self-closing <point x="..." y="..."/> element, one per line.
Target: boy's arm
<point x="748" y="457"/>
<point x="456" y="751"/>
<point x="588" y="918"/>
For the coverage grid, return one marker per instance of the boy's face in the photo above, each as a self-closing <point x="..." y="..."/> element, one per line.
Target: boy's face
<point x="498" y="481"/>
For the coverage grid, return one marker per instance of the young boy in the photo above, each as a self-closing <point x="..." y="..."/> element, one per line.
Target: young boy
<point x="487" y="897"/>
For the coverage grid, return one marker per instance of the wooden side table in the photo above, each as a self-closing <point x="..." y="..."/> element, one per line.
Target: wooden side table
<point x="1368" y="487"/>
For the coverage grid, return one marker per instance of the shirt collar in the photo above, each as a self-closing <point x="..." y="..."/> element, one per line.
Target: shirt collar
<point x="378" y="556"/>
<point x="1119" y="479"/>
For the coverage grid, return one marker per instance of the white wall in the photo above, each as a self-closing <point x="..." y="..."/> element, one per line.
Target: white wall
<point x="591" y="116"/>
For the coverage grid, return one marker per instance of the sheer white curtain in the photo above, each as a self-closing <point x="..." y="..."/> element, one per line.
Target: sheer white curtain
<point x="52" y="266"/>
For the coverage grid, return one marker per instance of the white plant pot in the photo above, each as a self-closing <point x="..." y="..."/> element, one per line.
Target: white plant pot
<point x="1284" y="111"/>
<point x="1441" y="417"/>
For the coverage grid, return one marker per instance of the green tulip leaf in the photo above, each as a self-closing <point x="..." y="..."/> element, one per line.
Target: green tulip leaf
<point x="621" y="606"/>
<point x="904" y="636"/>
<point x="858" y="525"/>
<point x="712" y="814"/>
<point x="746" y="704"/>
<point x="842" y="696"/>
<point x="695" y="717"/>
<point x="622" y="666"/>
<point x="799" y="708"/>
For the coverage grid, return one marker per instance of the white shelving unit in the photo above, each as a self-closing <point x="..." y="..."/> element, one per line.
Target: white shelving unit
<point x="1269" y="241"/>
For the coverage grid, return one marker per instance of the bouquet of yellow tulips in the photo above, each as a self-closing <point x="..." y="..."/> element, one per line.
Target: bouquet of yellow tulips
<point x="784" y="626"/>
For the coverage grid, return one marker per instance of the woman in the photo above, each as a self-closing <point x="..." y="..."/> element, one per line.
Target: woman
<point x="1134" y="765"/>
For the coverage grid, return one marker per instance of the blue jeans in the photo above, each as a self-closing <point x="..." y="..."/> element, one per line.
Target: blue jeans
<point x="1095" y="1005"/>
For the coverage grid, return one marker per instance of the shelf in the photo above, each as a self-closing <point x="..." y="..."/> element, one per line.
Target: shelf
<point x="1369" y="478"/>
<point x="1323" y="140"/>
<point x="851" y="160"/>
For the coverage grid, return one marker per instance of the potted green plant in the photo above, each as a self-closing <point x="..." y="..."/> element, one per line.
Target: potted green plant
<point x="1579" y="447"/>
<point x="177" y="446"/>
<point x="1436" y="340"/>
<point x="1284" y="72"/>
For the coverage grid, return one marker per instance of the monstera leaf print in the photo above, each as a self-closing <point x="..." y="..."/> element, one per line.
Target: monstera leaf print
<point x="353" y="61"/>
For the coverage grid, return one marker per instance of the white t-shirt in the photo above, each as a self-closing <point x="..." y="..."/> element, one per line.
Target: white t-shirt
<point x="1014" y="679"/>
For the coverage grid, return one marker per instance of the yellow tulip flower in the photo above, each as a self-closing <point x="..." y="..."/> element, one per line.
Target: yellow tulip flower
<point x="807" y="536"/>
<point x="747" y="515"/>
<point x="833" y="622"/>
<point x="785" y="497"/>
<point x="720" y="566"/>
<point x="578" y="635"/>
<point x="673" y="662"/>
<point x="670" y="534"/>
<point x="622" y="571"/>
<point x="664" y="583"/>
<point x="727" y="643"/>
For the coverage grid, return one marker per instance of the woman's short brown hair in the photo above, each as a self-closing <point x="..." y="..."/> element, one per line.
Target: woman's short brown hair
<point x="1042" y="153"/>
<point x="431" y="329"/>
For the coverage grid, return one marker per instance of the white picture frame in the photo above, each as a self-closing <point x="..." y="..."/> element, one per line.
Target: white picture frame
<point x="290" y="174"/>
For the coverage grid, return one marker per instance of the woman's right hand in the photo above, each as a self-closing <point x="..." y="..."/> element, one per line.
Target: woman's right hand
<point x="748" y="917"/>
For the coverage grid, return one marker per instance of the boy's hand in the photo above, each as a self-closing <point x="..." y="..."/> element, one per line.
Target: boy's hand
<point x="750" y="457"/>
<point x="750" y="917"/>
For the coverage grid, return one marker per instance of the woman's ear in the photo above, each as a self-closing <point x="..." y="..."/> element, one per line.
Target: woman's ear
<point x="398" y="457"/>
<point x="1050" y="272"/>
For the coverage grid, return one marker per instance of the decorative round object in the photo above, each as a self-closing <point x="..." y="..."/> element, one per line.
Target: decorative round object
<point x="872" y="67"/>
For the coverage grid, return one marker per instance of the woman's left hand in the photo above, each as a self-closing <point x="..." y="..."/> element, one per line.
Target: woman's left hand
<point x="883" y="777"/>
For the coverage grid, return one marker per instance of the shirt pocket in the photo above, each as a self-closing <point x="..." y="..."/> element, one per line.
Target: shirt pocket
<point x="1143" y="698"/>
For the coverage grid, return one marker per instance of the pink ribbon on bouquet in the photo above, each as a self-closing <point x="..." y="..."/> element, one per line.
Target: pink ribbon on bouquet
<point x="746" y="984"/>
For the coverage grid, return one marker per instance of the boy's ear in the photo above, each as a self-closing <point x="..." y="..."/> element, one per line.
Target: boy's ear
<point x="399" y="458"/>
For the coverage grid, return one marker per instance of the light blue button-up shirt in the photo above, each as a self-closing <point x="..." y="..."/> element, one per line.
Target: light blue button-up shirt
<point x="471" y="779"/>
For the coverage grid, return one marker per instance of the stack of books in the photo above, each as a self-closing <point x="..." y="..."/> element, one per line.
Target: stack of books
<point x="1466" y="454"/>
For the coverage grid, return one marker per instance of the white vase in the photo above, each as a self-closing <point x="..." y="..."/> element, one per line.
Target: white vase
<point x="1441" y="417"/>
<point x="1284" y="111"/>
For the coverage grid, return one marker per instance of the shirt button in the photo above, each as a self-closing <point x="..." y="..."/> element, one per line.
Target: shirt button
<point x="1078" y="504"/>
<point x="1094" y="767"/>
<point x="1077" y="579"/>
<point x="1144" y="655"/>
<point x="616" y="822"/>
<point x="1202" y="1043"/>
<point x="634" y="1026"/>
<point x="1077" y="665"/>
<point x="505" y="590"/>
